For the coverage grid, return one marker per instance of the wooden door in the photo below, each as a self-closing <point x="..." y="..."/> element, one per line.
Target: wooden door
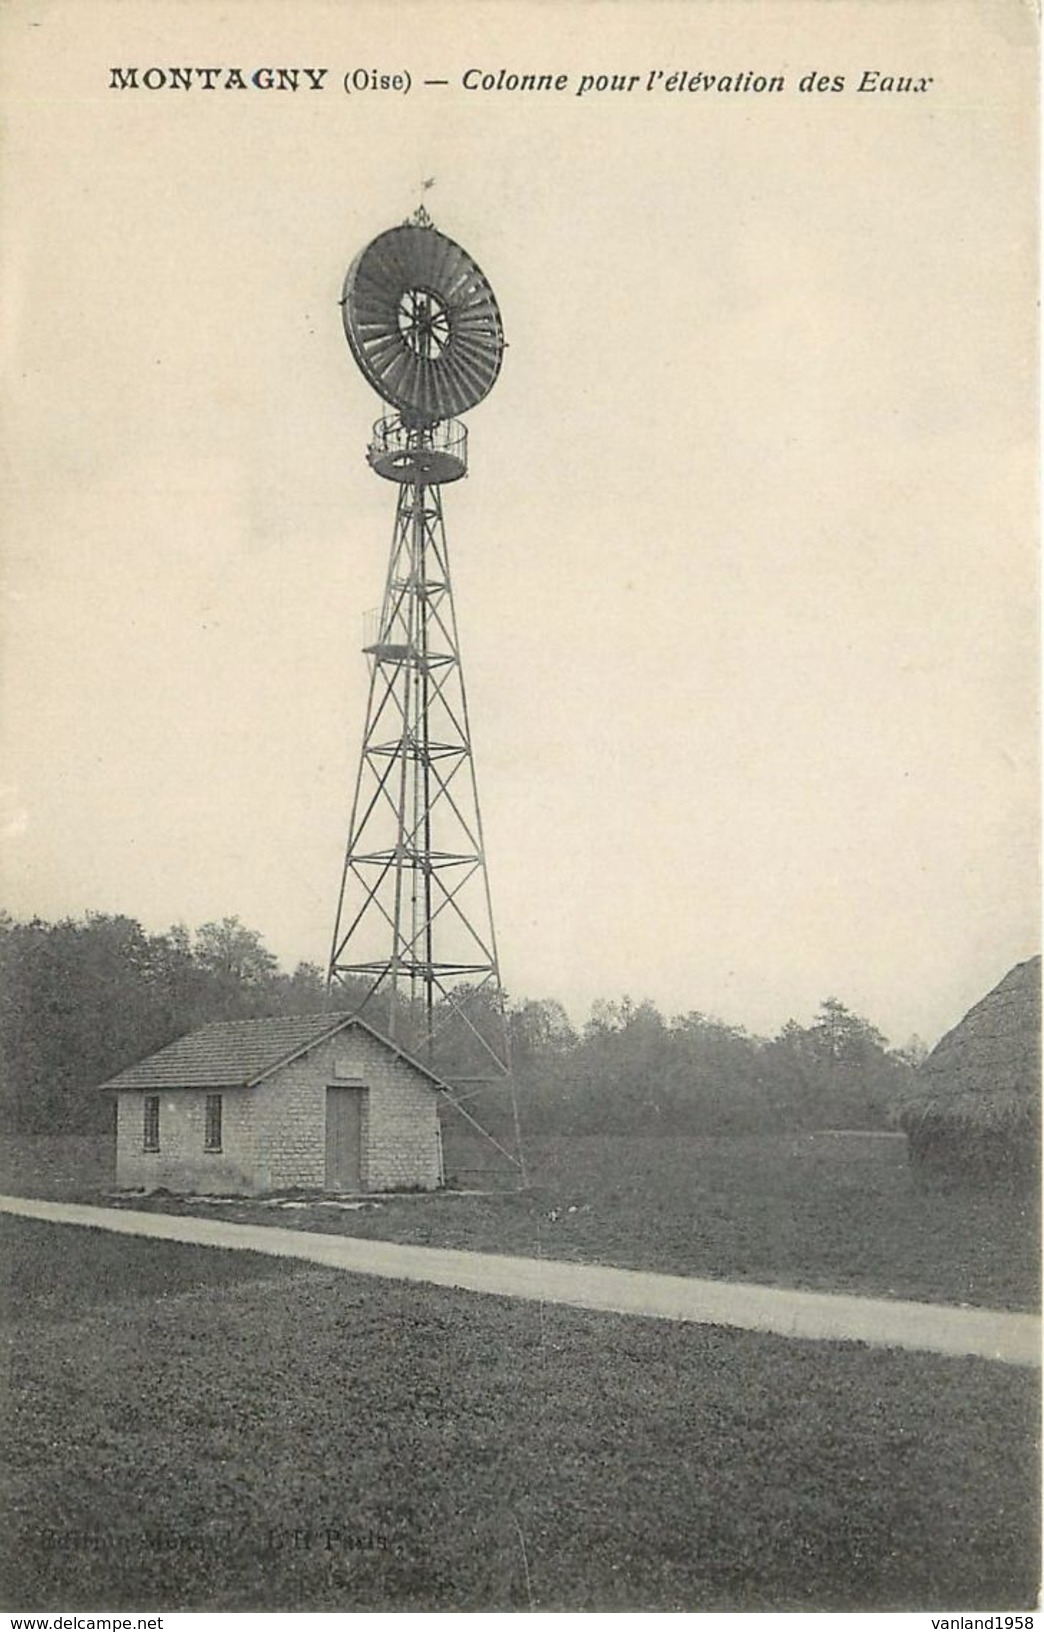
<point x="344" y="1108"/>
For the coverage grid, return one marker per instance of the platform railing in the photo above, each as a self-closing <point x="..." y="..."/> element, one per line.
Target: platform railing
<point x="442" y="447"/>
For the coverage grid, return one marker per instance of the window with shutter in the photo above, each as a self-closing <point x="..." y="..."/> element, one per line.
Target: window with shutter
<point x="212" y="1127"/>
<point x="150" y="1122"/>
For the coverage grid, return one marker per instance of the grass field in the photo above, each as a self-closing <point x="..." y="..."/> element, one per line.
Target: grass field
<point x="836" y="1212"/>
<point x="193" y="1429"/>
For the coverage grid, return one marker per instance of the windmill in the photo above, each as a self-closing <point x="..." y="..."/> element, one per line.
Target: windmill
<point x="414" y="944"/>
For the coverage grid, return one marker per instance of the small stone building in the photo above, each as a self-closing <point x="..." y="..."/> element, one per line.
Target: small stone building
<point x="312" y="1102"/>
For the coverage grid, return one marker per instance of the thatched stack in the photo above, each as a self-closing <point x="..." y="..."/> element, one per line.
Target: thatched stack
<point x="976" y="1110"/>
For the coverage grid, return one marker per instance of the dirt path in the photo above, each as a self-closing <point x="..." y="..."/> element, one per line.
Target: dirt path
<point x="888" y="1323"/>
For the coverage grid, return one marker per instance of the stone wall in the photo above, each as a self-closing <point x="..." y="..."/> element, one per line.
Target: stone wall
<point x="400" y="1147"/>
<point x="181" y="1163"/>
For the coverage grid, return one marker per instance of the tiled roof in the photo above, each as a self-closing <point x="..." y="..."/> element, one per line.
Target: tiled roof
<point x="231" y="1053"/>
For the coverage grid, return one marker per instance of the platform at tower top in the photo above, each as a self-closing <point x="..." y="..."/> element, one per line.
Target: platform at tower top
<point x="429" y="454"/>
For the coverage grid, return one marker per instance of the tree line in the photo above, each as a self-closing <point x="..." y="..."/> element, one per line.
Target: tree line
<point x="81" y="999"/>
<point x="631" y="1070"/>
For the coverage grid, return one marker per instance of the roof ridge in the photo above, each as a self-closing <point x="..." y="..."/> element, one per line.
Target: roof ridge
<point x="267" y="1019"/>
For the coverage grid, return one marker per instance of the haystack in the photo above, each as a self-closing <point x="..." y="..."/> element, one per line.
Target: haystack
<point x="975" y="1113"/>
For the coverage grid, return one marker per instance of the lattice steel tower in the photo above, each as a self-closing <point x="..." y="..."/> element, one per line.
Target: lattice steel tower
<point x="414" y="945"/>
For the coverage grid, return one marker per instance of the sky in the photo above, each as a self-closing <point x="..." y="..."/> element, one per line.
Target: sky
<point x="745" y="564"/>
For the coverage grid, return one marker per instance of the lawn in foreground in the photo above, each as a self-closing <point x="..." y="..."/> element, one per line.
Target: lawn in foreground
<point x="314" y="1440"/>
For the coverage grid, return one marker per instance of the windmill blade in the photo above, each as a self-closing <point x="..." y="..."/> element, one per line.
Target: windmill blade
<point x="440" y="353"/>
